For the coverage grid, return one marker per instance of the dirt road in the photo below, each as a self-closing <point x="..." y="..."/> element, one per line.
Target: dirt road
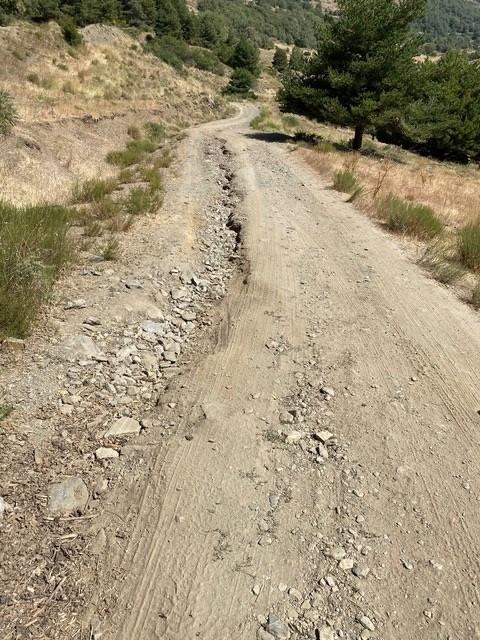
<point x="369" y="531"/>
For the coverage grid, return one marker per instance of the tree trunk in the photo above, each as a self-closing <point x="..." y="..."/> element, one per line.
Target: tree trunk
<point x="357" y="138"/>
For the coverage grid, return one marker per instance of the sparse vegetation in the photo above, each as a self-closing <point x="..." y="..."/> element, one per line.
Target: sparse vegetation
<point x="134" y="153"/>
<point x="469" y="246"/>
<point x="141" y="200"/>
<point x="8" y="113"/>
<point x="72" y="35"/>
<point x="409" y="218"/>
<point x="154" y="131"/>
<point x="5" y="411"/>
<point x="475" y="299"/>
<point x="110" y="250"/>
<point x="93" y="190"/>
<point x="33" y="250"/>
<point x="345" y="181"/>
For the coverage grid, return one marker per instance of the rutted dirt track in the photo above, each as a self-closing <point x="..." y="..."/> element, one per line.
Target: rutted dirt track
<point x="308" y="464"/>
<point x="328" y="327"/>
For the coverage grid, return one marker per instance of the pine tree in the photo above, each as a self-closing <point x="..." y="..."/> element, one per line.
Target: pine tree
<point x="280" y="59"/>
<point x="361" y="55"/>
<point x="245" y="56"/>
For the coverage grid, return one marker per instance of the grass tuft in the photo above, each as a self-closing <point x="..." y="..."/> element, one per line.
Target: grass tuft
<point x="475" y="299"/>
<point x="34" y="248"/>
<point x="5" y="411"/>
<point x="345" y="181"/>
<point x="154" y="131"/>
<point x="110" y="250"/>
<point x="469" y="246"/>
<point x="410" y="218"/>
<point x="141" y="200"/>
<point x="93" y="190"/>
<point x="134" y="153"/>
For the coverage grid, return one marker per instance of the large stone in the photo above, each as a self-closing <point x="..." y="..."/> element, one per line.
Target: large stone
<point x="106" y="453"/>
<point x="14" y="345"/>
<point x="326" y="633"/>
<point x="124" y="427"/>
<point x="277" y="628"/>
<point x="179" y="294"/>
<point x="79" y="347"/>
<point x="69" y="496"/>
<point x="264" y="635"/>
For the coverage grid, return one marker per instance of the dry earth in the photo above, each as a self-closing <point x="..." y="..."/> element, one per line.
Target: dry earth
<point x="305" y="461"/>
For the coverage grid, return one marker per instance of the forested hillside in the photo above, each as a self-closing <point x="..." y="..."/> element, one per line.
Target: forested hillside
<point x="451" y="23"/>
<point x="219" y="23"/>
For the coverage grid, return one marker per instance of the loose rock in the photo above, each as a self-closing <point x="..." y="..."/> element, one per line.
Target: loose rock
<point x="277" y="628"/>
<point x="124" y="427"/>
<point x="69" y="496"/>
<point x="106" y="453"/>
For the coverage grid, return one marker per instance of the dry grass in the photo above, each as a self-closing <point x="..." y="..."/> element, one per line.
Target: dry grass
<point x="49" y="79"/>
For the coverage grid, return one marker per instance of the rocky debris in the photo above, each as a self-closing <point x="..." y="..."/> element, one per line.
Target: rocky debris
<point x="78" y="347"/>
<point x="366" y="623"/>
<point x="3" y="507"/>
<point x="346" y="564"/>
<point x="328" y="392"/>
<point x="326" y="633"/>
<point x="124" y="427"/>
<point x="106" y="453"/>
<point x="360" y="570"/>
<point x="294" y="437"/>
<point x="286" y="417"/>
<point x="79" y="303"/>
<point x="67" y="497"/>
<point x="323" y="436"/>
<point x="277" y="628"/>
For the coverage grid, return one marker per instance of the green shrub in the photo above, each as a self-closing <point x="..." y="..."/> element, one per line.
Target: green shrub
<point x="155" y="131"/>
<point x="475" y="300"/>
<point x="133" y="154"/>
<point x="5" y="411"/>
<point x="8" y="113"/>
<point x="153" y="177"/>
<point x="72" y="35"/>
<point x="410" y="218"/>
<point x="33" y="249"/>
<point x="140" y="201"/>
<point x="110" y="250"/>
<point x="93" y="190"/>
<point x="134" y="132"/>
<point x="345" y="181"/>
<point x="206" y="61"/>
<point x="469" y="246"/>
<point x="241" y="82"/>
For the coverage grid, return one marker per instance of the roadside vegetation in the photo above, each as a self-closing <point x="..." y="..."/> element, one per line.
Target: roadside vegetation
<point x="39" y="242"/>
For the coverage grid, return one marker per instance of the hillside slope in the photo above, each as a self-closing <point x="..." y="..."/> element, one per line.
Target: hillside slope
<point x="108" y="73"/>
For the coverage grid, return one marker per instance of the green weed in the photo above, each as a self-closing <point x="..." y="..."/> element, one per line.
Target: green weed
<point x="33" y="249"/>
<point x="410" y="218"/>
<point x="469" y="246"/>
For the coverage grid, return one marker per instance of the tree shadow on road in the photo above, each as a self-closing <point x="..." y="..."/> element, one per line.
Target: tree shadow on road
<point x="270" y="136"/>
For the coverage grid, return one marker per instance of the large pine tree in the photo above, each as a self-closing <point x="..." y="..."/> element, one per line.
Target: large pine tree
<point x="361" y="56"/>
